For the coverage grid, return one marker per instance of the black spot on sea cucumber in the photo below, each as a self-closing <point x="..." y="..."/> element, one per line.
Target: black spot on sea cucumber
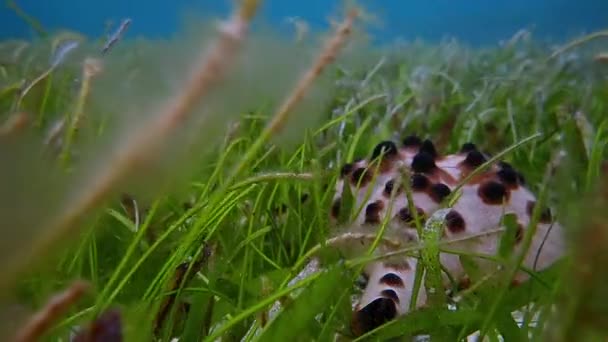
<point x="545" y="215"/>
<point x="455" y="222"/>
<point x="428" y="147"/>
<point x="468" y="147"/>
<point x="335" y="208"/>
<point x="386" y="148"/>
<point x="419" y="182"/>
<point x="388" y="293"/>
<point x="389" y="187"/>
<point x="423" y="162"/>
<point x="508" y="176"/>
<point x="282" y="209"/>
<point x="373" y="315"/>
<point x="504" y="165"/>
<point x="412" y="141"/>
<point x="493" y="193"/>
<point x="346" y="169"/>
<point x="360" y="176"/>
<point x="474" y="159"/>
<point x="439" y="192"/>
<point x="372" y="212"/>
<point x="406" y="216"/>
<point x="391" y="279"/>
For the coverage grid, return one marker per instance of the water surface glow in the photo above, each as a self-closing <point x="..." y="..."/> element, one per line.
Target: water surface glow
<point x="472" y="21"/>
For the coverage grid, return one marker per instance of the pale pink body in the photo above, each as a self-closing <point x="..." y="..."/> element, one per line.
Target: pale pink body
<point x="483" y="201"/>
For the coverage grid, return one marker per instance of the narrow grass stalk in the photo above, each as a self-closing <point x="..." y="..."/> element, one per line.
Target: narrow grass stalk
<point x="261" y="305"/>
<point x="420" y="269"/>
<point x="526" y="244"/>
<point x="14" y="124"/>
<point x="497" y="260"/>
<point x="348" y="113"/>
<point x="90" y="69"/>
<point x="392" y="244"/>
<point x="38" y="324"/>
<point x="211" y="68"/>
<point x="273" y="176"/>
<point x="222" y="208"/>
<point x="327" y="56"/>
<point x="31" y="85"/>
<point x="419" y="247"/>
<point x="387" y="217"/>
<point x="45" y="99"/>
<point x="448" y="202"/>
<point x="577" y="42"/>
<point x="106" y="297"/>
<point x="431" y="235"/>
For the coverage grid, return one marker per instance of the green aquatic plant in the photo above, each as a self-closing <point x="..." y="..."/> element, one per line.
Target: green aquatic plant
<point x="189" y="188"/>
<point x="31" y="21"/>
<point x="136" y="146"/>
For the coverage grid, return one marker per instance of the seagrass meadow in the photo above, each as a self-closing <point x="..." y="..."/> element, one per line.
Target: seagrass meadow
<point x="161" y="190"/>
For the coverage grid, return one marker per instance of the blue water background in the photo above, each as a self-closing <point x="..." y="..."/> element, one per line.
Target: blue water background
<point x="472" y="21"/>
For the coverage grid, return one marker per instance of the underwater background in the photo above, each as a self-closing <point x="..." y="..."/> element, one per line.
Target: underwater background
<point x="476" y="22"/>
<point x="169" y="169"/>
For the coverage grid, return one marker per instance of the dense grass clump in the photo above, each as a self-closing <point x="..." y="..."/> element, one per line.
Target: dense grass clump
<point x="207" y="255"/>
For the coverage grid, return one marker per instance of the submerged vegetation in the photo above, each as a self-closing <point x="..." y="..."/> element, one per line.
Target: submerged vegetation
<point x="158" y="190"/>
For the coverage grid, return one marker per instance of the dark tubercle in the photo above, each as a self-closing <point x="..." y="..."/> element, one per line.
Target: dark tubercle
<point x="282" y="209"/>
<point x="508" y="177"/>
<point x="346" y="169"/>
<point x="373" y="315"/>
<point x="423" y="162"/>
<point x="439" y="192"/>
<point x="507" y="171"/>
<point x="372" y="212"/>
<point x="504" y="165"/>
<point x="360" y="177"/>
<point x="468" y="147"/>
<point x="391" y="279"/>
<point x="406" y="216"/>
<point x="389" y="187"/>
<point x="455" y="222"/>
<point x="474" y="159"/>
<point x="386" y="148"/>
<point x="335" y="208"/>
<point x="419" y="182"/>
<point x="412" y="141"/>
<point x="388" y="293"/>
<point x="493" y="193"/>
<point x="428" y="147"/>
<point x="545" y="215"/>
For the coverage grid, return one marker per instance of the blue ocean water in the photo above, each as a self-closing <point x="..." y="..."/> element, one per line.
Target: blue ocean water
<point x="471" y="21"/>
